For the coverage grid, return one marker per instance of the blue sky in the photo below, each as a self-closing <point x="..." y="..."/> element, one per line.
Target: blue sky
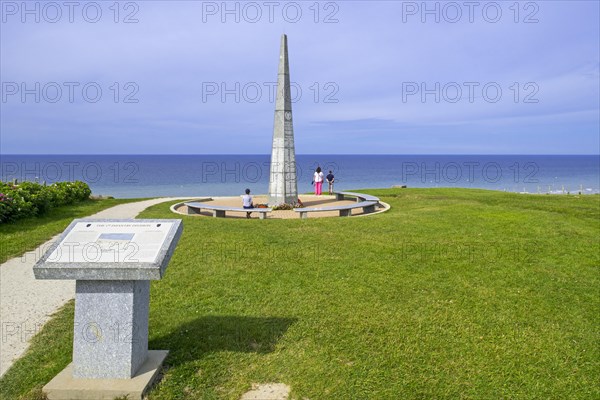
<point x="377" y="77"/>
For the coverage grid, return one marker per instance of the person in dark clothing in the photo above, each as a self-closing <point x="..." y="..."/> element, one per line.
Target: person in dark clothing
<point x="247" y="202"/>
<point x="330" y="179"/>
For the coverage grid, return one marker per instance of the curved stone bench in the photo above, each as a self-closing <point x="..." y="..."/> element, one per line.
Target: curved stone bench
<point x="365" y="201"/>
<point x="359" y="196"/>
<point x="219" y="211"/>
<point x="345" y="210"/>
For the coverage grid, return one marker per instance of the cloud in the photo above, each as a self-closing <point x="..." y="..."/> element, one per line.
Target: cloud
<point x="353" y="74"/>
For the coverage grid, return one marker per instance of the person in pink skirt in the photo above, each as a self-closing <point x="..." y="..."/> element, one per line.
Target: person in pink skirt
<point x="318" y="180"/>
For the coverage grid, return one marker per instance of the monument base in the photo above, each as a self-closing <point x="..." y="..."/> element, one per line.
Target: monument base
<point x="64" y="387"/>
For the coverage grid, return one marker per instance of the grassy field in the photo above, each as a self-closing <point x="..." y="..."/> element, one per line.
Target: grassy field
<point x="451" y="294"/>
<point x="27" y="234"/>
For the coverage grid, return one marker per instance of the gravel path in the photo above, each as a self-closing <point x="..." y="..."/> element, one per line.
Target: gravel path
<point x="27" y="304"/>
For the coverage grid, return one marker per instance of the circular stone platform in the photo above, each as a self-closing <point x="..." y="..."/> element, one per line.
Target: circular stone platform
<point x="309" y="201"/>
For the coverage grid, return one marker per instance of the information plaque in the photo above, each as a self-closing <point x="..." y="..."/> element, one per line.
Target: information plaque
<point x="111" y="250"/>
<point x="113" y="262"/>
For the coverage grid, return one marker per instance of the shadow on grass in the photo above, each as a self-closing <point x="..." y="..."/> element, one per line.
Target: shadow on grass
<point x="192" y="340"/>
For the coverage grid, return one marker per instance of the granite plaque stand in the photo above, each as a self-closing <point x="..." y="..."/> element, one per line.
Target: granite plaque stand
<point x="112" y="262"/>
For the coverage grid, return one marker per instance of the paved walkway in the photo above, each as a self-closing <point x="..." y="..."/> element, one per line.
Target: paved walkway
<point x="308" y="200"/>
<point x="26" y="304"/>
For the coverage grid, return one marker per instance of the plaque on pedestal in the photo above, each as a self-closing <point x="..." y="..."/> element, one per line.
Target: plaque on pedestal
<point x="112" y="262"/>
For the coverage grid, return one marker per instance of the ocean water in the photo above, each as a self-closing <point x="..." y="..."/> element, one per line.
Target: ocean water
<point x="128" y="176"/>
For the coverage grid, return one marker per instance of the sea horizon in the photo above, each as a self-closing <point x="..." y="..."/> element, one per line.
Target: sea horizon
<point x="183" y="175"/>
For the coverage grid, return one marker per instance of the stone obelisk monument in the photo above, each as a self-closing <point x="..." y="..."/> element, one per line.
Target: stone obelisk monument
<point x="283" y="188"/>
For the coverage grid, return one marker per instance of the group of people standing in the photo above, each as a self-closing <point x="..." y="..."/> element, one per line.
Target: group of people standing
<point x="319" y="178"/>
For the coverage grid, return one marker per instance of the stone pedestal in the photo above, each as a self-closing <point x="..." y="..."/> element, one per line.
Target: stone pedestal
<point x="65" y="387"/>
<point x="111" y="328"/>
<point x="112" y="262"/>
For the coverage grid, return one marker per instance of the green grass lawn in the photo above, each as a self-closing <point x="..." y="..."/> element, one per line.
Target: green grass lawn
<point x="27" y="234"/>
<point x="453" y="293"/>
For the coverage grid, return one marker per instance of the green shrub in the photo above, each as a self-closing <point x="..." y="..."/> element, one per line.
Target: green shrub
<point x="29" y="199"/>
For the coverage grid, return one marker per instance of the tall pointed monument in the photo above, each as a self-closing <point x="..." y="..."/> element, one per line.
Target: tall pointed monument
<point x="283" y="188"/>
